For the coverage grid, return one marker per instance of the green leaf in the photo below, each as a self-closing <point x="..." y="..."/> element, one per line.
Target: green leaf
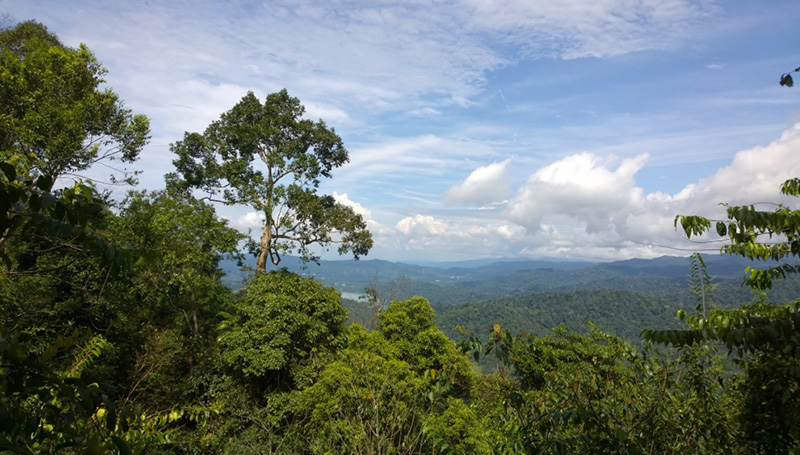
<point x="9" y="170"/>
<point x="44" y="183"/>
<point x="121" y="445"/>
<point x="50" y="352"/>
<point x="786" y="80"/>
<point x="86" y="191"/>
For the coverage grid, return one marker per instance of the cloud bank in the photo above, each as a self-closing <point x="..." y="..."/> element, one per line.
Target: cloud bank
<point x="590" y="206"/>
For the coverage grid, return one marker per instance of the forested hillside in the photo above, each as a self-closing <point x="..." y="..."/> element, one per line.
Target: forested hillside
<point x="118" y="334"/>
<point x="622" y="298"/>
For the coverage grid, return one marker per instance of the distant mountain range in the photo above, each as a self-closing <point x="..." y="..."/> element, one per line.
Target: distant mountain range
<point x="488" y="278"/>
<point x="622" y="297"/>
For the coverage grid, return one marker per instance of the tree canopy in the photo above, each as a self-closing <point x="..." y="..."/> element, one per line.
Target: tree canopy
<point x="270" y="158"/>
<point x="764" y="337"/>
<point x="57" y="120"/>
<point x="152" y="354"/>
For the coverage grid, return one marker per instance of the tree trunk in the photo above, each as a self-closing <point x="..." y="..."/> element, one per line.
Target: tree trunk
<point x="266" y="240"/>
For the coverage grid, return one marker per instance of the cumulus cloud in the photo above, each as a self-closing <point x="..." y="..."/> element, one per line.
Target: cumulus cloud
<point x="250" y="220"/>
<point x="422" y="225"/>
<point x="376" y="228"/>
<point x="582" y="187"/>
<point x="590" y="206"/>
<point x="328" y="114"/>
<point x="753" y="175"/>
<point x="463" y="236"/>
<point x="583" y="206"/>
<point x="485" y="185"/>
<point x="358" y="208"/>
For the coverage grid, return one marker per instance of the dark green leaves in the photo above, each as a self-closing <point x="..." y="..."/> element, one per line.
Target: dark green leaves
<point x="9" y="171"/>
<point x="270" y="158"/>
<point x="281" y="321"/>
<point x="764" y="235"/>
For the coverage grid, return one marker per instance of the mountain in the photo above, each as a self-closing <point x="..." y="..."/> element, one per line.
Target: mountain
<point x="472" y="280"/>
<point x="622" y="297"/>
<point x="351" y="275"/>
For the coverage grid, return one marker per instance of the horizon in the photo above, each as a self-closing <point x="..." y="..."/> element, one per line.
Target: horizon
<point x="480" y="129"/>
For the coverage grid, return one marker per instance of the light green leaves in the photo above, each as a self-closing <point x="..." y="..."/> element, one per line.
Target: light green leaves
<point x="282" y="321"/>
<point x="55" y="111"/>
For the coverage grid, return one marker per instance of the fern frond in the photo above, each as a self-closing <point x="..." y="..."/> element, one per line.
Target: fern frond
<point x="91" y="350"/>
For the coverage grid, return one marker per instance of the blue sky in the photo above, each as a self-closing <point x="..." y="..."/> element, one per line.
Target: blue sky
<point x="481" y="128"/>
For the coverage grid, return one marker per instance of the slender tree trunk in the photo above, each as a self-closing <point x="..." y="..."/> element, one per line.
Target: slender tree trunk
<point x="266" y="240"/>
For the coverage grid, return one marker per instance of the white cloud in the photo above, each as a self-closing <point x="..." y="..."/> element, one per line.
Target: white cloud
<point x="421" y="226"/>
<point x="581" y="187"/>
<point x="400" y="158"/>
<point x="326" y="113"/>
<point x="584" y="206"/>
<point x="457" y="237"/>
<point x="754" y="175"/>
<point x="426" y="111"/>
<point x="250" y="220"/>
<point x="377" y="229"/>
<point x="358" y="208"/>
<point x="416" y="86"/>
<point x="485" y="185"/>
<point x="581" y="206"/>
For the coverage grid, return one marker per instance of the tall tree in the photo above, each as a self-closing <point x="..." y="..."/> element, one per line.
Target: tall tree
<point x="182" y="242"/>
<point x="268" y="157"/>
<point x="56" y="118"/>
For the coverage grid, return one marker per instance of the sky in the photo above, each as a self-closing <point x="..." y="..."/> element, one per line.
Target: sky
<point x="565" y="129"/>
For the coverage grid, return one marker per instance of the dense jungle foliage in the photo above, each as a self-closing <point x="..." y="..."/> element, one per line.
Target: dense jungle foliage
<point x="118" y="336"/>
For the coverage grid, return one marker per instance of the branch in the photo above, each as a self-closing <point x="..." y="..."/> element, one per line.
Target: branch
<point x="220" y="201"/>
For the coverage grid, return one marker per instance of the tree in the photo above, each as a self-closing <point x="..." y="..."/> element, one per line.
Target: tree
<point x="266" y="156"/>
<point x="364" y="403"/>
<point x="409" y="326"/>
<point x="56" y="119"/>
<point x="48" y="410"/>
<point x="765" y="337"/>
<point x="182" y="241"/>
<point x="283" y="321"/>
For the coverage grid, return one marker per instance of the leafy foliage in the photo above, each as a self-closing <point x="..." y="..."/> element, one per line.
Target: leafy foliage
<point x="268" y="157"/>
<point x="54" y="113"/>
<point x="700" y="283"/>
<point x="45" y="411"/>
<point x="117" y="335"/>
<point x="764" y="336"/>
<point x="598" y="394"/>
<point x="409" y="326"/>
<point x="367" y="404"/>
<point x="29" y="208"/>
<point x="282" y="321"/>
